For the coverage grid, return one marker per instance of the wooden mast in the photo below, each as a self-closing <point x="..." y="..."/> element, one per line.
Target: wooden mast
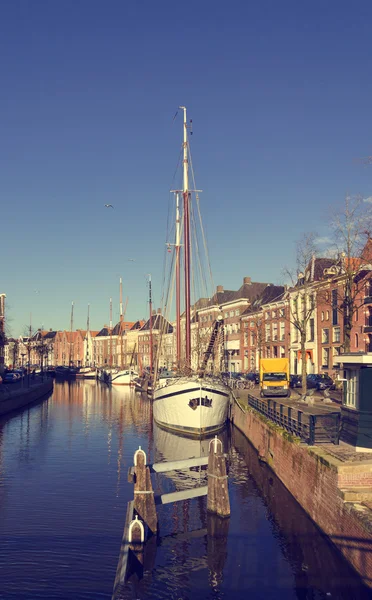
<point x="121" y="323"/>
<point x="150" y="308"/>
<point x="110" y="333"/>
<point x="178" y="283"/>
<point x="71" y="328"/>
<point x="186" y="234"/>
<point x="87" y="340"/>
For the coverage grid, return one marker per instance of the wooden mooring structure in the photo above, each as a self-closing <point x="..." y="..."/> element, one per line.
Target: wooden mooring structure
<point x="139" y="542"/>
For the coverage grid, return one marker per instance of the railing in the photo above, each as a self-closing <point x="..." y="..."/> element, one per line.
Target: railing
<point x="312" y="429"/>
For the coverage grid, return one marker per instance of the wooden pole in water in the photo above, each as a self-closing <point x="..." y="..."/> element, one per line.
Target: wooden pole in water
<point x="144" y="502"/>
<point x="218" y="491"/>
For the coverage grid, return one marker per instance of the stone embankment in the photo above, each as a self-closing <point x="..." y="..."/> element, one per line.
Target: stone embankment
<point x="332" y="483"/>
<point x="13" y="398"/>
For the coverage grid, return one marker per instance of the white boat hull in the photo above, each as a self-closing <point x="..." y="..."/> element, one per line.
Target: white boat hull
<point x="192" y="406"/>
<point x="124" y="377"/>
<point x="86" y="373"/>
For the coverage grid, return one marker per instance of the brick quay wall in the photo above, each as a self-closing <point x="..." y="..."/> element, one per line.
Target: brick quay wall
<point x="14" y="399"/>
<point x="334" y="492"/>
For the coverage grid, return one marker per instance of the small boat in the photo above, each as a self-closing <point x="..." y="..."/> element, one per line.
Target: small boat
<point x="87" y="373"/>
<point x="63" y="372"/>
<point x="123" y="377"/>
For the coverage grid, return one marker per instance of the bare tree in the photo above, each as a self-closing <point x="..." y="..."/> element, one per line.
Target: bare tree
<point x="302" y="299"/>
<point x="352" y="228"/>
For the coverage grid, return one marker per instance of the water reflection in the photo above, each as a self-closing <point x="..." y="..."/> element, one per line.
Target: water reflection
<point x="318" y="570"/>
<point x="63" y="496"/>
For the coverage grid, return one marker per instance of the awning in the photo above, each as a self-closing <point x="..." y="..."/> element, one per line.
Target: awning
<point x="308" y="353"/>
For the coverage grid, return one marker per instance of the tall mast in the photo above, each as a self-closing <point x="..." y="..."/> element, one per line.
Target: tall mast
<point x="121" y="323"/>
<point x="178" y="286"/>
<point x="87" y="339"/>
<point x="186" y="234"/>
<point x="110" y="332"/>
<point x="150" y="309"/>
<point x="71" y="328"/>
<point x="121" y="300"/>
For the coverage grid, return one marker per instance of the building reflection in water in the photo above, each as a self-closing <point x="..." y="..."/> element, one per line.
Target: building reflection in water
<point x="317" y="569"/>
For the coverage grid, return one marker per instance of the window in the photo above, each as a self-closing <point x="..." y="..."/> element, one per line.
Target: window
<point x="252" y="338"/>
<point x="336" y="334"/>
<point x="226" y="315"/>
<point x="267" y="351"/>
<point x="267" y="316"/>
<point x="334" y="308"/>
<point x="237" y="312"/>
<point x="275" y="331"/>
<point x="282" y="331"/>
<point x="327" y="315"/>
<point x="246" y="338"/>
<point x="275" y="352"/>
<point x="252" y="323"/>
<point x="322" y="317"/>
<point x="325" y="336"/>
<point x="282" y="352"/>
<point x="273" y="314"/>
<point x="267" y="332"/>
<point x="336" y="350"/>
<point x="281" y="312"/>
<point x="231" y="313"/>
<point x="312" y="301"/>
<point x="325" y="358"/>
<point x="311" y="330"/>
<point x="356" y="340"/>
<point x="352" y="384"/>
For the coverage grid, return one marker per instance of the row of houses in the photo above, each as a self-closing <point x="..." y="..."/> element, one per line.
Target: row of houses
<point x="324" y="313"/>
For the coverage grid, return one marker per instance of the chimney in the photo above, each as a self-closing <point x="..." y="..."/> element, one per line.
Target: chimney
<point x="219" y="289"/>
<point x="153" y="312"/>
<point x="247" y="281"/>
<point x="159" y="311"/>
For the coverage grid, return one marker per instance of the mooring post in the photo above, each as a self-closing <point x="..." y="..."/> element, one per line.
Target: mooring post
<point x="144" y="502"/>
<point x="218" y="490"/>
<point x="136" y="539"/>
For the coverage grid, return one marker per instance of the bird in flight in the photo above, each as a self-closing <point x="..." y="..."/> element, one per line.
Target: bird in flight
<point x="132" y="259"/>
<point x="109" y="206"/>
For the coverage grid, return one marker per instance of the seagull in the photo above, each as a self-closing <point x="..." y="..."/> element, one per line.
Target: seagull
<point x="132" y="259"/>
<point x="109" y="206"/>
<point x="37" y="291"/>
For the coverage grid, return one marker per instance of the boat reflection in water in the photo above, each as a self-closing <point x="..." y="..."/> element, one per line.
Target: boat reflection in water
<point x="192" y="540"/>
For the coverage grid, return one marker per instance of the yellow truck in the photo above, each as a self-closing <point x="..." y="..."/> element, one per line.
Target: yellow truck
<point x="274" y="377"/>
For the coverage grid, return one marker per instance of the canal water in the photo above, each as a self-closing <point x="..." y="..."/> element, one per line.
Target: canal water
<point x="63" y="496"/>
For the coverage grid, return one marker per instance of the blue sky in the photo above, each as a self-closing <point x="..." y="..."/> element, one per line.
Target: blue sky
<point x="279" y="94"/>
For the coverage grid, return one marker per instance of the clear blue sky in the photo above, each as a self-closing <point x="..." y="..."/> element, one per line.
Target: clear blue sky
<point x="280" y="97"/>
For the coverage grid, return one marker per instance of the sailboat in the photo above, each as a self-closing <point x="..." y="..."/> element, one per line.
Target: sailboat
<point x="191" y="402"/>
<point x="118" y="375"/>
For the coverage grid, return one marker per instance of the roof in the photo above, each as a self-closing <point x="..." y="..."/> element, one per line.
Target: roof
<point x="104" y="331"/>
<point x="249" y="291"/>
<point x="271" y="293"/>
<point x="319" y="265"/>
<point x="138" y="325"/>
<point x="49" y="335"/>
<point x="122" y="326"/>
<point x="158" y="322"/>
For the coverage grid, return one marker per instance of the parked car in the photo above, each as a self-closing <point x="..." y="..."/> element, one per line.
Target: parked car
<point x="10" y="378"/>
<point x="252" y="376"/>
<point x="295" y="381"/>
<point x="319" y="381"/>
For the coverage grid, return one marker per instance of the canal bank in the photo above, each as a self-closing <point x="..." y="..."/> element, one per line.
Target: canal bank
<point x="22" y="395"/>
<point x="332" y="483"/>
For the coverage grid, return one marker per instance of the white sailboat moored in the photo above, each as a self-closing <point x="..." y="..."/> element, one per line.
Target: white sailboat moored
<point x="191" y="402"/>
